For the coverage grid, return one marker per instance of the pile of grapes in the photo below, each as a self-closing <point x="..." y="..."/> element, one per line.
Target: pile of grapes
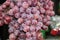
<point x="26" y="18"/>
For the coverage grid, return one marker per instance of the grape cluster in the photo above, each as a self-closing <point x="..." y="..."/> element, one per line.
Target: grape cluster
<point x="26" y="18"/>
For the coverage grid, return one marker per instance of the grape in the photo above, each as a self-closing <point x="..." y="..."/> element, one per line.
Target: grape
<point x="48" y="12"/>
<point x="15" y="9"/>
<point x="39" y="4"/>
<point x="11" y="30"/>
<point x="18" y="4"/>
<point x="7" y="19"/>
<point x="48" y="22"/>
<point x="16" y="25"/>
<point x="40" y="24"/>
<point x="23" y="15"/>
<point x="11" y="5"/>
<point x="46" y="7"/>
<point x="36" y="16"/>
<point x="48" y="17"/>
<point x="28" y="10"/>
<point x="16" y="32"/>
<point x="51" y="8"/>
<point x="20" y="20"/>
<point x="10" y="12"/>
<point x="28" y="22"/>
<point x="29" y="38"/>
<point x="50" y="3"/>
<point x="40" y="19"/>
<point x="44" y="20"/>
<point x="32" y="28"/>
<point x="22" y="9"/>
<point x="34" y="38"/>
<point x="21" y="28"/>
<point x="7" y="3"/>
<point x="33" y="34"/>
<point x="37" y="12"/>
<point x="12" y="37"/>
<point x="25" y="5"/>
<point x="34" y="9"/>
<point x="52" y="13"/>
<point x="29" y="16"/>
<point x="22" y="35"/>
<point x="29" y="2"/>
<point x="42" y="10"/>
<point x="28" y="34"/>
<point x="23" y="24"/>
<point x="45" y="27"/>
<point x="17" y="15"/>
<point x="39" y="36"/>
<point x="1" y="8"/>
<point x="38" y="28"/>
<point x="34" y="22"/>
<point x="26" y="28"/>
<point x="4" y="6"/>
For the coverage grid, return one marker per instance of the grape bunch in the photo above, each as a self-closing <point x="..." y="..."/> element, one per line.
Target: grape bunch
<point x="26" y="18"/>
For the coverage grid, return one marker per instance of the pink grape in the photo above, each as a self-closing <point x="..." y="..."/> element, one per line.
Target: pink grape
<point x="25" y="5"/>
<point x="26" y="29"/>
<point x="40" y="19"/>
<point x="38" y="28"/>
<point x="42" y="10"/>
<point x="11" y="5"/>
<point x="28" y="22"/>
<point x="7" y="19"/>
<point x="34" y="22"/>
<point x="32" y="28"/>
<point x="22" y="35"/>
<point x="16" y="32"/>
<point x="7" y="3"/>
<point x="50" y="3"/>
<point x="15" y="9"/>
<point x="10" y="12"/>
<point x="45" y="27"/>
<point x="52" y="13"/>
<point x="33" y="34"/>
<point x="11" y="30"/>
<point x="34" y="9"/>
<point x="22" y="9"/>
<point x="28" y="34"/>
<point x="12" y="37"/>
<point x="4" y="6"/>
<point x="48" y="23"/>
<point x="20" y="20"/>
<point x="17" y="15"/>
<point x="48" y="17"/>
<point x="1" y="8"/>
<point x="23" y="15"/>
<point x="51" y="7"/>
<point x="36" y="16"/>
<point x="40" y="24"/>
<point x="28" y="10"/>
<point x="19" y="4"/>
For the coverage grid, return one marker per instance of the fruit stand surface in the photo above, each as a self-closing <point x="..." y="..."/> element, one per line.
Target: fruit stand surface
<point x="53" y="38"/>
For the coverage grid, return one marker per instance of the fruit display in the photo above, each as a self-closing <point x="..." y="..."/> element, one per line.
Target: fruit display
<point x="26" y="18"/>
<point x="55" y="25"/>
